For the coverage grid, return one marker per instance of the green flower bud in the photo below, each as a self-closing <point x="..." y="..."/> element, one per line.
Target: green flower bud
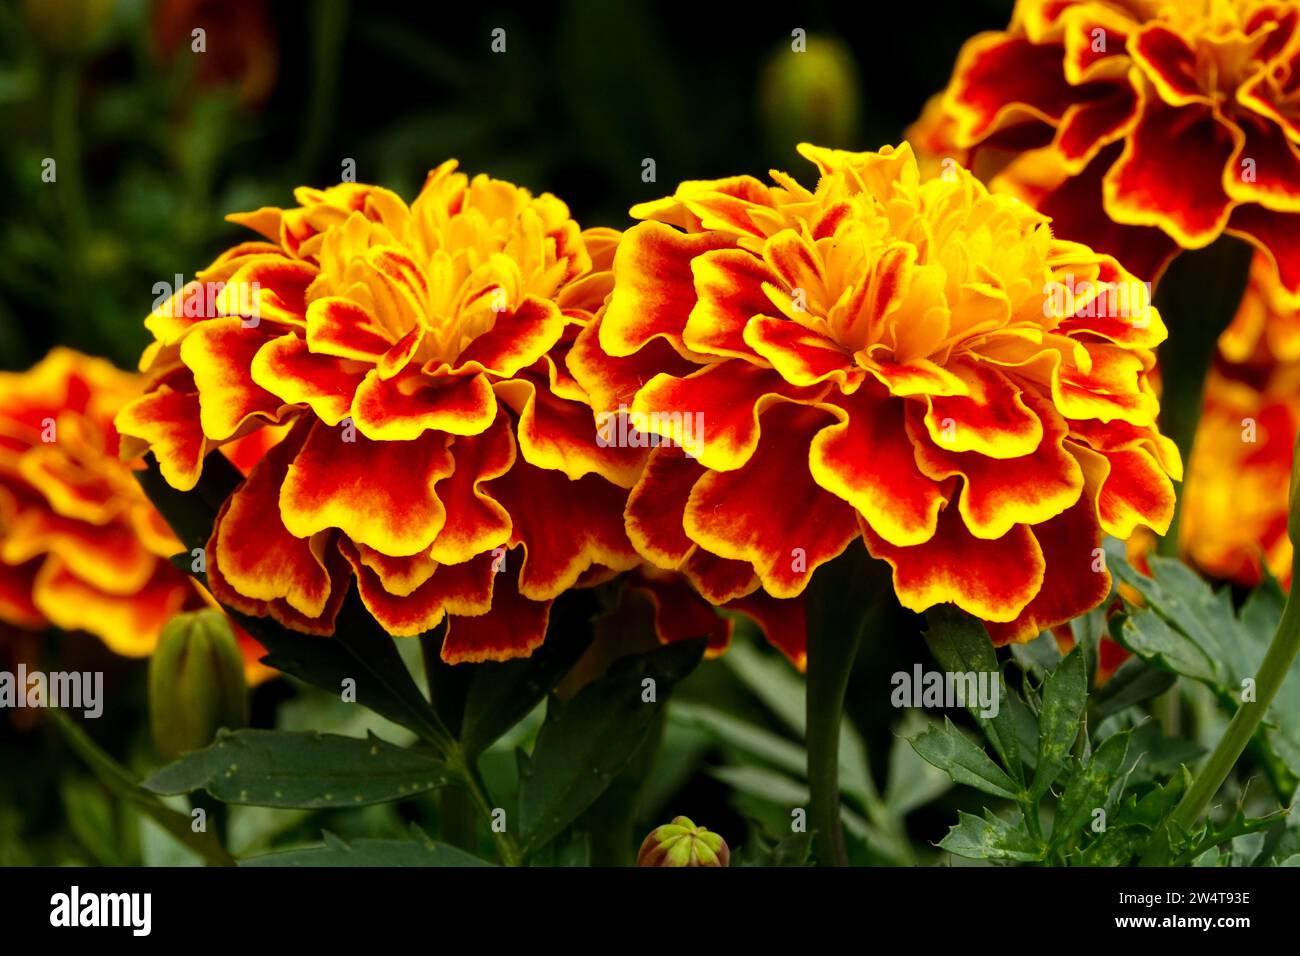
<point x="196" y="683"/>
<point x="68" y="28"/>
<point x="682" y="843"/>
<point x="811" y="95"/>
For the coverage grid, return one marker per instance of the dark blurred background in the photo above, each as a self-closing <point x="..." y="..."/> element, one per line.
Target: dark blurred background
<point x="154" y="143"/>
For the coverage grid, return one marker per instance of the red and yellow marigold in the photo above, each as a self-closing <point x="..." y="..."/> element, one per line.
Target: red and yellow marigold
<point x="437" y="450"/>
<point x="1140" y="126"/>
<point x="81" y="548"/>
<point x="922" y="363"/>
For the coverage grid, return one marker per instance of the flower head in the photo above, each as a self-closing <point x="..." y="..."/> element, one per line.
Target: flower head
<point x="1142" y="127"/>
<point x="921" y="363"/>
<point x="437" y="450"/>
<point x="81" y="548"/>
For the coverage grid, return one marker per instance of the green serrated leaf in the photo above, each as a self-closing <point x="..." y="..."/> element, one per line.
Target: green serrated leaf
<point x="955" y="754"/>
<point x="418" y="851"/>
<point x="1065" y="692"/>
<point x="1134" y="683"/>
<point x="960" y="644"/>
<point x="912" y="781"/>
<point x="586" y="742"/>
<point x="1149" y="636"/>
<point x="992" y="838"/>
<point x="1088" y="790"/>
<point x="1117" y="846"/>
<point x="304" y="770"/>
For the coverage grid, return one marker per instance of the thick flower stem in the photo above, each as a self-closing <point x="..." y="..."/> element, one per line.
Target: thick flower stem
<point x="1199" y="294"/>
<point x="840" y="599"/>
<point x="828" y="680"/>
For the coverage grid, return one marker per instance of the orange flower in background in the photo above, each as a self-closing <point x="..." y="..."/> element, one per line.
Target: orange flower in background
<point x="921" y="363"/>
<point x="437" y="450"/>
<point x="1239" y="477"/>
<point x="81" y="548"/>
<point x="1235" y="501"/>
<point x="1141" y="127"/>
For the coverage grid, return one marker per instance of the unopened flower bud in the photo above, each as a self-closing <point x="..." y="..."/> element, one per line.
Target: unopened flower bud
<point x="682" y="843"/>
<point x="196" y="683"/>
<point x="811" y="95"/>
<point x="68" y="28"/>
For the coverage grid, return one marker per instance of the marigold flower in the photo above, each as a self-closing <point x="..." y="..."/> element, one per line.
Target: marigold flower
<point x="1180" y="120"/>
<point x="921" y="363"/>
<point x="415" y="354"/>
<point x="81" y="547"/>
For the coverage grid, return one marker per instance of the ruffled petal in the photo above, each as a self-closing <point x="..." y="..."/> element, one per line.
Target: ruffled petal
<point x="287" y="367"/>
<point x="868" y="459"/>
<point x="403" y="408"/>
<point x="515" y="628"/>
<point x="1075" y="579"/>
<point x="476" y="521"/>
<point x="714" y="413"/>
<point x="220" y="354"/>
<point x="993" y="580"/>
<point x="564" y="526"/>
<point x="992" y="419"/>
<point x="997" y="494"/>
<point x="654" y="287"/>
<point x="731" y="513"/>
<point x="378" y="493"/>
<point x="258" y="556"/>
<point x="166" y="422"/>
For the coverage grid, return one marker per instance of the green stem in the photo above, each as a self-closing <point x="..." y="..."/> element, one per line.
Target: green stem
<point x="1241" y="729"/>
<point x="837" y="616"/>
<point x="328" y="29"/>
<point x="1198" y="296"/>
<point x="506" y="846"/>
<point x="119" y="780"/>
<point x="456" y="818"/>
<point x="826" y="690"/>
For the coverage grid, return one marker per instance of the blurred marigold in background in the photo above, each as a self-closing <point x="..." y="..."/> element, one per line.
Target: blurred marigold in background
<point x="239" y="43"/>
<point x="921" y="363"/>
<point x="1139" y="127"/>
<point x="81" y="547"/>
<point x="1235" y="499"/>
<point x="437" y="450"/>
